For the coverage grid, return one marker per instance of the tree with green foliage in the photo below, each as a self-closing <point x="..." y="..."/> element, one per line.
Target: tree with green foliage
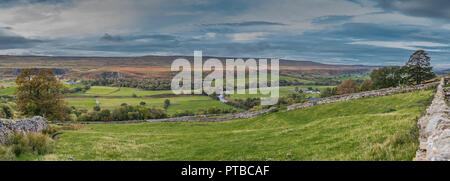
<point x="328" y="92"/>
<point x="366" y="85"/>
<point x="6" y="112"/>
<point x="385" y="77"/>
<point x="418" y="68"/>
<point x="166" y="104"/>
<point x="97" y="108"/>
<point x="40" y="93"/>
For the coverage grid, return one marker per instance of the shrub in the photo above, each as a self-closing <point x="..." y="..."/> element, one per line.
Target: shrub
<point x="97" y="108"/>
<point x="50" y="130"/>
<point x="34" y="143"/>
<point x="366" y="85"/>
<point x="73" y="117"/>
<point x="6" y="154"/>
<point x="166" y="104"/>
<point x="328" y="92"/>
<point x="180" y="113"/>
<point x="256" y="108"/>
<point x="213" y="110"/>
<point x="201" y="112"/>
<point x="6" y="112"/>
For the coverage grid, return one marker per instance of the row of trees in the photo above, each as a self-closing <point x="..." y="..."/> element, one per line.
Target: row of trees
<point x="124" y="112"/>
<point x="211" y="110"/>
<point x="348" y="87"/>
<point x="146" y="84"/>
<point x="417" y="70"/>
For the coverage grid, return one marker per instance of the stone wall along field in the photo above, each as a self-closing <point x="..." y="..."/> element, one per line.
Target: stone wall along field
<point x="7" y="127"/>
<point x="374" y="93"/>
<point x="435" y="129"/>
<point x="199" y="118"/>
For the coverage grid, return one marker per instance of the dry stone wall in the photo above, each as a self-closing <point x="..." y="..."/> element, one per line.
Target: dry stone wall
<point x="210" y="118"/>
<point x="435" y="129"/>
<point x="447" y="94"/>
<point x="374" y="93"/>
<point x="7" y="127"/>
<point x="200" y="118"/>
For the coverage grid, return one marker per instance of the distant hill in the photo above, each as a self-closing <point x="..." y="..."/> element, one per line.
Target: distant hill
<point x="150" y="66"/>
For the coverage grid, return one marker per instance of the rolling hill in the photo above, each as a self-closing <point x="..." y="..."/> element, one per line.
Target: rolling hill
<point x="148" y="66"/>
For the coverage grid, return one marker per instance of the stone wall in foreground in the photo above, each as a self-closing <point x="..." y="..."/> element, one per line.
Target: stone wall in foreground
<point x="7" y="127"/>
<point x="374" y="93"/>
<point x="435" y="129"/>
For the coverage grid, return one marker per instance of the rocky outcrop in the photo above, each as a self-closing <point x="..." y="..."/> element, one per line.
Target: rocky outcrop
<point x="374" y="93"/>
<point x="7" y="127"/>
<point x="435" y="129"/>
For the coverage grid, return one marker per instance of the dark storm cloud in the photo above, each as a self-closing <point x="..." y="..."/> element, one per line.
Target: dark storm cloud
<point x="421" y="8"/>
<point x="118" y="38"/>
<point x="12" y="42"/>
<point x="108" y="37"/>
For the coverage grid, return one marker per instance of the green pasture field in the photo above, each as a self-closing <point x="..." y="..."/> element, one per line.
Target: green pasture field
<point x="285" y="90"/>
<point x="378" y="128"/>
<point x="118" y="92"/>
<point x="9" y="91"/>
<point x="192" y="103"/>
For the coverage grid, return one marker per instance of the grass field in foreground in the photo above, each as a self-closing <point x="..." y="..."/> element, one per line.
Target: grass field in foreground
<point x="379" y="128"/>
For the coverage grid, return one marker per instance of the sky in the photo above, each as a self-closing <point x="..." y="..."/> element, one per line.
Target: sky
<point x="365" y="32"/>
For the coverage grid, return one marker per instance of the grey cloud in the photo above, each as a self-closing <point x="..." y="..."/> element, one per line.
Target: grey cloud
<point x="12" y="42"/>
<point x="430" y="8"/>
<point x="247" y="23"/>
<point x="331" y="19"/>
<point x="108" y="37"/>
<point x="118" y="38"/>
<point x="161" y="37"/>
<point x="31" y="1"/>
